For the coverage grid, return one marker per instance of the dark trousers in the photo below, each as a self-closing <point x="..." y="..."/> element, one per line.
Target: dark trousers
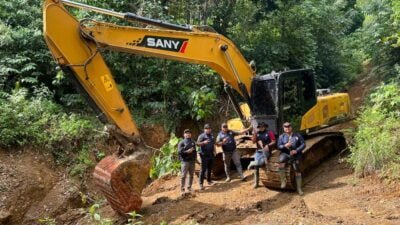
<point x="206" y="167"/>
<point x="187" y="168"/>
<point x="293" y="160"/>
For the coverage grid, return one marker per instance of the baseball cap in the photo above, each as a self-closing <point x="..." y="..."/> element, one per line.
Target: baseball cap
<point x="262" y="124"/>
<point x="207" y="126"/>
<point x="187" y="131"/>
<point x="287" y="124"/>
<point x="224" y="125"/>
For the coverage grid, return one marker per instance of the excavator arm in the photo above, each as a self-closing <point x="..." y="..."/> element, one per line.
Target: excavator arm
<point x="75" y="46"/>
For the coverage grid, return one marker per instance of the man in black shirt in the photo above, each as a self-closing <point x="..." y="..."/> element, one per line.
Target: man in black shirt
<point x="266" y="141"/>
<point x="187" y="156"/>
<point x="206" y="141"/>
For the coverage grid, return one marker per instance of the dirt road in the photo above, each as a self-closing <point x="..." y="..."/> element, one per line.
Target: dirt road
<point x="333" y="196"/>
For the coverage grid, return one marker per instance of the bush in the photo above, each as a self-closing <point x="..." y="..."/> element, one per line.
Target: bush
<point x="376" y="143"/>
<point x="38" y="121"/>
<point x="166" y="162"/>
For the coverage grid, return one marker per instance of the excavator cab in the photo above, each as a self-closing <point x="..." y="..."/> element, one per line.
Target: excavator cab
<point x="284" y="96"/>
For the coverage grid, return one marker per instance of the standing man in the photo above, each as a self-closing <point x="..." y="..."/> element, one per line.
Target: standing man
<point x="266" y="141"/>
<point x="206" y="142"/>
<point x="187" y="156"/>
<point x="226" y="139"/>
<point x="291" y="146"/>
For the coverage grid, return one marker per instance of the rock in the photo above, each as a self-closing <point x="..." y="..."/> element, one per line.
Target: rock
<point x="392" y="217"/>
<point x="161" y="200"/>
<point x="4" y="217"/>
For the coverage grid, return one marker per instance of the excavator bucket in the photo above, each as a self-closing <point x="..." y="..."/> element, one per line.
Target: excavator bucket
<point x="121" y="180"/>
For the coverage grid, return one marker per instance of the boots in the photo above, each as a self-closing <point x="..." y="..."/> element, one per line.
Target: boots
<point x="283" y="177"/>
<point x="298" y="185"/>
<point x="256" y="177"/>
<point x="190" y="183"/>
<point x="240" y="171"/>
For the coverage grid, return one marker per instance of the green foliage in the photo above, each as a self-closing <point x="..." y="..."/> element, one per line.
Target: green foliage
<point x="294" y="34"/>
<point x="203" y="103"/>
<point x="166" y="161"/>
<point x="47" y="221"/>
<point x="24" y="58"/>
<point x="82" y="163"/>
<point x="96" y="217"/>
<point x="379" y="34"/>
<point x="376" y="141"/>
<point x="134" y="219"/>
<point x="38" y="121"/>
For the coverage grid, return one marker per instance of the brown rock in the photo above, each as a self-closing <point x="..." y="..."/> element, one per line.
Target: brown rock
<point x="4" y="217"/>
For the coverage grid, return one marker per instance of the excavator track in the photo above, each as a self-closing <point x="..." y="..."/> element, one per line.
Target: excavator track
<point x="318" y="147"/>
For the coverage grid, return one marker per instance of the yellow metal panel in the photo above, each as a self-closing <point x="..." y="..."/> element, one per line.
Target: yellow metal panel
<point x="328" y="109"/>
<point x="245" y="110"/>
<point x="235" y="124"/>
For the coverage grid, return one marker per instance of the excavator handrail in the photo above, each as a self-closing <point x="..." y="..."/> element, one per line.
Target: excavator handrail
<point x="128" y="16"/>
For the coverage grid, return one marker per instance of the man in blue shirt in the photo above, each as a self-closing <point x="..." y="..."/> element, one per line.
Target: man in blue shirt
<point x="187" y="156"/>
<point x="206" y="141"/>
<point x="226" y="139"/>
<point x="291" y="146"/>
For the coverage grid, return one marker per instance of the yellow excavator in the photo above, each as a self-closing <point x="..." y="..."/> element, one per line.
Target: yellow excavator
<point x="272" y="98"/>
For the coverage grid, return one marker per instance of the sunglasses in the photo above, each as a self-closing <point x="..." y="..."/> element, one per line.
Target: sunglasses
<point x="225" y="127"/>
<point x="287" y="126"/>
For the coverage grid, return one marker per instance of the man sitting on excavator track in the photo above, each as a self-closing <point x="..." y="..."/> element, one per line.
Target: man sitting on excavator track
<point x="291" y="146"/>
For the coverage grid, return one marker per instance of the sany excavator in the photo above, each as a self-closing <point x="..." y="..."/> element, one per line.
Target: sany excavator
<point x="272" y="98"/>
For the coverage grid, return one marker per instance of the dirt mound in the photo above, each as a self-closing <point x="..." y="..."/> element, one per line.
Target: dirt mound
<point x="33" y="188"/>
<point x="26" y="176"/>
<point x="154" y="135"/>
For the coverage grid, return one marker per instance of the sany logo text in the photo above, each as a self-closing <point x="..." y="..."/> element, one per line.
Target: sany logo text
<point x="164" y="43"/>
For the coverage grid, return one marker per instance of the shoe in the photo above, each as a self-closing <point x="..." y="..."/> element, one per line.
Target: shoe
<point x="243" y="178"/>
<point x="210" y="183"/>
<point x="283" y="183"/>
<point x="251" y="165"/>
<point x="298" y="185"/>
<point x="189" y="189"/>
<point x="201" y="187"/>
<point x="301" y="193"/>
<point x="282" y="176"/>
<point x="228" y="180"/>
